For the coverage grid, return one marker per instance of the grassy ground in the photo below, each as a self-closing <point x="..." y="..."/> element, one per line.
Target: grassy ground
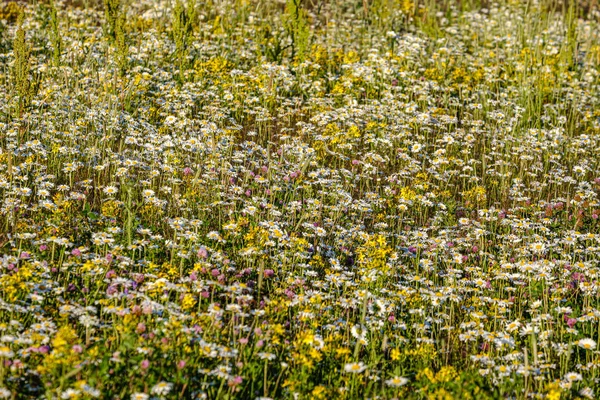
<point x="301" y="199"/>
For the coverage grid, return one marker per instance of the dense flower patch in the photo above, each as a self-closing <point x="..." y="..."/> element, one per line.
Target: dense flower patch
<point x="299" y="199"/>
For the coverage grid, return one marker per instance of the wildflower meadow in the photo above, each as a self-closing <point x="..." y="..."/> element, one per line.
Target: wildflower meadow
<point x="299" y="199"/>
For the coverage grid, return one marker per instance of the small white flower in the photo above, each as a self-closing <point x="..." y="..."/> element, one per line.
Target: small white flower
<point x="266" y="356"/>
<point x="396" y="381"/>
<point x="6" y="352"/>
<point x="4" y="393"/>
<point x="358" y="331"/>
<point x="587" y="344"/>
<point x="170" y="120"/>
<point x="110" y="190"/>
<point x="162" y="388"/>
<point x="538" y="247"/>
<point x="513" y="326"/>
<point x="70" y="394"/>
<point x="573" y="376"/>
<point x="355" y="368"/>
<point x="587" y="392"/>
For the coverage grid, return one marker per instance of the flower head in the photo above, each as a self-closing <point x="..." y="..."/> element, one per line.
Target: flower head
<point x="355" y="368"/>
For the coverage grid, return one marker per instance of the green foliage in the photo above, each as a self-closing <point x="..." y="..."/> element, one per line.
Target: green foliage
<point x="55" y="35"/>
<point x="10" y="12"/>
<point x="182" y="25"/>
<point x="297" y="26"/>
<point x="113" y="17"/>
<point x="21" y="68"/>
<point x="379" y="14"/>
<point x="114" y="29"/>
<point x="272" y="43"/>
<point x="121" y="44"/>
